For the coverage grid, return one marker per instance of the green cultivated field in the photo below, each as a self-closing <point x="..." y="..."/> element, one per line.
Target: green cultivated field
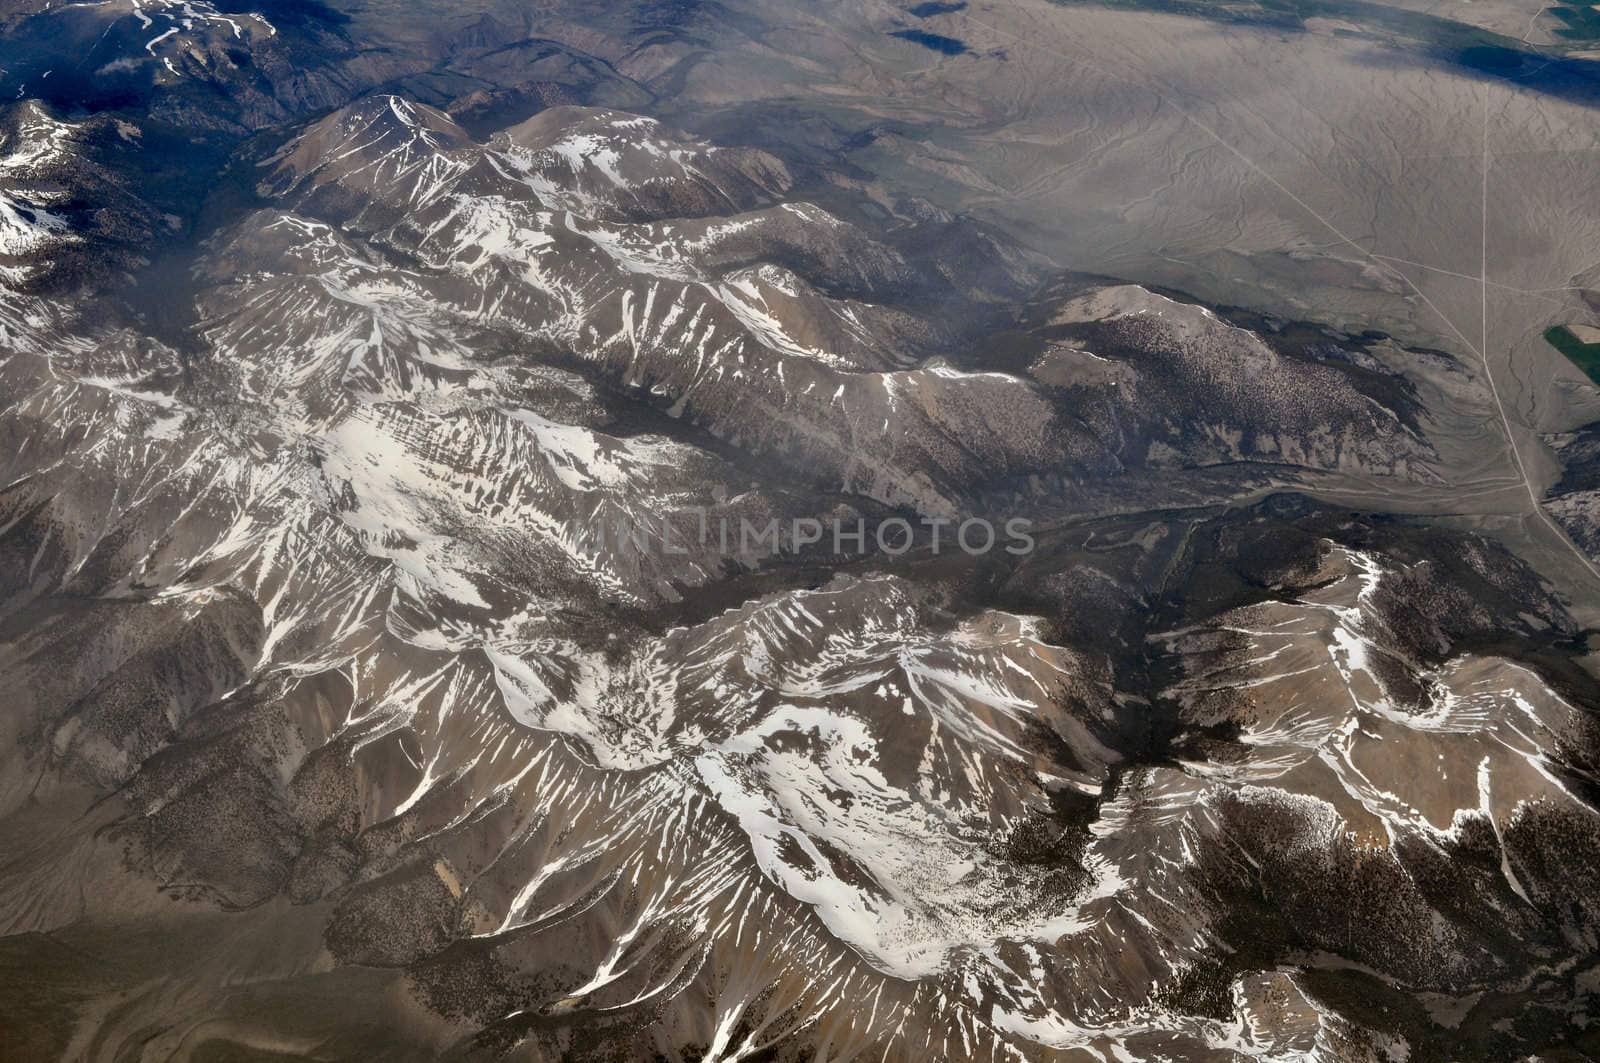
<point x="1585" y="356"/>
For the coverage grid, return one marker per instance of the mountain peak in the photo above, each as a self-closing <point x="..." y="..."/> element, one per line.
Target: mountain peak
<point x="376" y="144"/>
<point x="628" y="167"/>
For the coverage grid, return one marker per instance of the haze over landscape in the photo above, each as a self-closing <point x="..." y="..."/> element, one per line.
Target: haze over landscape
<point x="1034" y="530"/>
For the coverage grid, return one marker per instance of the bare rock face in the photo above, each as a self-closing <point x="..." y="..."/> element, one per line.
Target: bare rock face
<point x="391" y="670"/>
<point x="1210" y="392"/>
<point x="1574" y="499"/>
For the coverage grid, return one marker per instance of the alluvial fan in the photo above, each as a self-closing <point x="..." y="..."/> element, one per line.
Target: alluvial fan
<point x="591" y="532"/>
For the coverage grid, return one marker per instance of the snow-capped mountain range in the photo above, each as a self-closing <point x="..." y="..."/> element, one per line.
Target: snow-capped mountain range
<point x="332" y="732"/>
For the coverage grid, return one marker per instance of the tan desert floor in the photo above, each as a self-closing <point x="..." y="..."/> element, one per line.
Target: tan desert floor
<point x="1315" y="175"/>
